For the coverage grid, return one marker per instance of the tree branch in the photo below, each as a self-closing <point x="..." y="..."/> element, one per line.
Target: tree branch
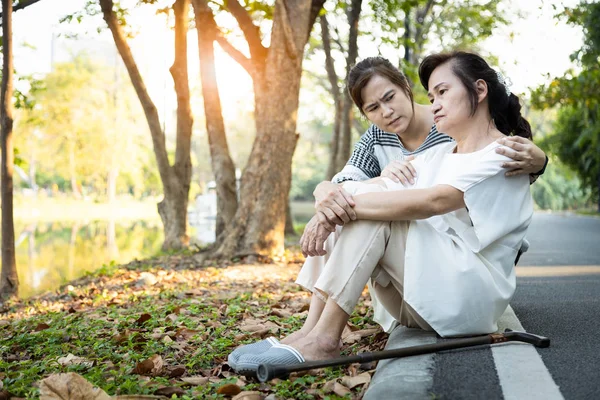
<point x="207" y="20"/>
<point x="237" y="55"/>
<point x="158" y="136"/>
<point x="290" y="44"/>
<point x="315" y="9"/>
<point x="21" y="5"/>
<point x="251" y="32"/>
<point x="329" y="67"/>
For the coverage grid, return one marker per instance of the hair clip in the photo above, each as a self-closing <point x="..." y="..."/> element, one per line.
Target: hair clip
<point x="506" y="82"/>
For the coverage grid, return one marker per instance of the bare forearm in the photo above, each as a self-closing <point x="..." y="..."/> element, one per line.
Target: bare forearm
<point x="408" y="204"/>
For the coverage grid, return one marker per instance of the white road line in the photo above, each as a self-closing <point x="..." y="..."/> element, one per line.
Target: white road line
<point x="408" y="378"/>
<point x="521" y="371"/>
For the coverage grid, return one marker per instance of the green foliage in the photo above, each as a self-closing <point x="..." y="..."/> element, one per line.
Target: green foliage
<point x="79" y="122"/>
<point x="576" y="136"/>
<point x="559" y="189"/>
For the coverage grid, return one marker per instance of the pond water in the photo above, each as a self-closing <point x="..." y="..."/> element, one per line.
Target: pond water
<point x="50" y="254"/>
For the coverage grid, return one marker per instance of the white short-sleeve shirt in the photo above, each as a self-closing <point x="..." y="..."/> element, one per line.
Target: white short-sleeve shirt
<point x="459" y="267"/>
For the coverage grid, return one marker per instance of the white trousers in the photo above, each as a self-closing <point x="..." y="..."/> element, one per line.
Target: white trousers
<point x="359" y="251"/>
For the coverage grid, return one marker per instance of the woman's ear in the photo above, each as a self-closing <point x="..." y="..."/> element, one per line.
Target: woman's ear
<point x="482" y="90"/>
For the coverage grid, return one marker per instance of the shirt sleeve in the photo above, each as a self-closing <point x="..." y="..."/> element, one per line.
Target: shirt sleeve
<point x="362" y="164"/>
<point x="465" y="172"/>
<point x="497" y="205"/>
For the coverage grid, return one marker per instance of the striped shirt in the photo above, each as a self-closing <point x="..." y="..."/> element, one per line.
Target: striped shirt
<point x="377" y="148"/>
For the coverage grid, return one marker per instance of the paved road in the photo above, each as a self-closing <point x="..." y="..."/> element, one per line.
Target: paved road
<point x="560" y="302"/>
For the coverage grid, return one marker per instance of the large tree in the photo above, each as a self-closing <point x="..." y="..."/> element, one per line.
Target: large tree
<point x="342" y="126"/>
<point x="258" y="226"/>
<point x="9" y="280"/>
<point x="576" y="136"/>
<point x="175" y="178"/>
<point x="222" y="164"/>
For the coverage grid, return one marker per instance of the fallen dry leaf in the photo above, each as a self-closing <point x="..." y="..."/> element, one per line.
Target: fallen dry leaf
<point x="282" y="313"/>
<point x="340" y="389"/>
<point x="195" y="380"/>
<point x="4" y="323"/>
<point x="70" y="386"/>
<point x="151" y="366"/>
<point x="248" y="395"/>
<point x="143" y="318"/>
<point x="328" y="386"/>
<point x="186" y="333"/>
<point x="176" y="372"/>
<point x="229" y="389"/>
<point x="357" y="335"/>
<point x="169" y="391"/>
<point x="41" y="326"/>
<point x="71" y="359"/>
<point x="4" y="395"/>
<point x="353" y="381"/>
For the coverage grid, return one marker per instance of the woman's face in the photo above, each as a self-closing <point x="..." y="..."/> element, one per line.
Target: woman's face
<point x="450" y="102"/>
<point x="386" y="105"/>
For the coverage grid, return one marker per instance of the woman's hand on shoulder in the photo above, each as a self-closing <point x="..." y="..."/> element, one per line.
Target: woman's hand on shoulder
<point x="401" y="171"/>
<point x="332" y="201"/>
<point x="527" y="157"/>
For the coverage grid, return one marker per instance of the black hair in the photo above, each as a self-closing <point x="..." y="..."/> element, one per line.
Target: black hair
<point x="504" y="107"/>
<point x="363" y="71"/>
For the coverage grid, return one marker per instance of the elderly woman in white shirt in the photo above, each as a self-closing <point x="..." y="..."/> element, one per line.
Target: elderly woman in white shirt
<point x="441" y="252"/>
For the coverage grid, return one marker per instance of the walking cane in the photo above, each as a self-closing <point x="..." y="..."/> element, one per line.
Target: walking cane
<point x="267" y="372"/>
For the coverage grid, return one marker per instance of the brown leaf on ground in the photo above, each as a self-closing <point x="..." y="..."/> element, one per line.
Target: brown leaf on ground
<point x="176" y="371"/>
<point x="41" y="326"/>
<point x="4" y="323"/>
<point x="340" y="389"/>
<point x="70" y="386"/>
<point x="357" y="335"/>
<point x="353" y="381"/>
<point x="186" y="333"/>
<point x="281" y="313"/>
<point x="170" y="391"/>
<point x="71" y="359"/>
<point x="143" y="318"/>
<point x="248" y="395"/>
<point x="151" y="366"/>
<point x="229" y="389"/>
<point x="195" y="380"/>
<point x="328" y="386"/>
<point x="137" y="397"/>
<point x="5" y="395"/>
<point x="253" y="328"/>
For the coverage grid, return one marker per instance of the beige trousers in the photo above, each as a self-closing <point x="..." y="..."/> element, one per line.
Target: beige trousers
<point x="359" y="251"/>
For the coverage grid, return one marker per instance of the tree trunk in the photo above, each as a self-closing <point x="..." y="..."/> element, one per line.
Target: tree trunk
<point x="289" y="220"/>
<point x="182" y="168"/>
<point x="346" y="131"/>
<point x="175" y="180"/>
<point x="72" y="173"/>
<point x="258" y="228"/>
<point x="111" y="183"/>
<point x="221" y="162"/>
<point x="9" y="280"/>
<point x="289" y="217"/>
<point x="332" y="168"/>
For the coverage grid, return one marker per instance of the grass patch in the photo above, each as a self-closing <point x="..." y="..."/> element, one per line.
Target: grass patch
<point x="191" y="317"/>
